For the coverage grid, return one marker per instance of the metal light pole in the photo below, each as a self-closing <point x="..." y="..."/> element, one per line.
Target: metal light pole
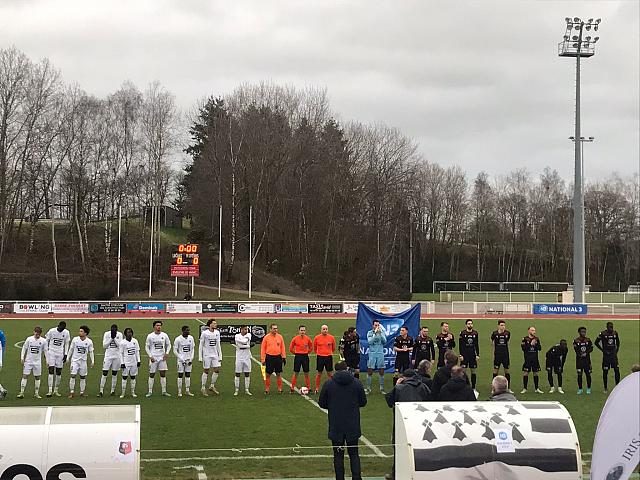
<point x="578" y="46"/>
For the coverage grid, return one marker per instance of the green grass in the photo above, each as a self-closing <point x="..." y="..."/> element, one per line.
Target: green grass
<point x="425" y="297"/>
<point x="258" y="422"/>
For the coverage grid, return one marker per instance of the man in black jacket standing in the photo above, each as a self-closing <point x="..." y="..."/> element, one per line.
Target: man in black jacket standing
<point x="443" y="374"/>
<point x="456" y="389"/>
<point x="343" y="396"/>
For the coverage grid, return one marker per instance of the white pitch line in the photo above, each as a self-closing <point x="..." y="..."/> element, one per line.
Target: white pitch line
<point x="198" y="468"/>
<point x="252" y="457"/>
<point x="365" y="440"/>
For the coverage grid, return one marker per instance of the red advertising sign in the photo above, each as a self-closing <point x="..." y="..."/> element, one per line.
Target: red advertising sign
<point x="185" y="270"/>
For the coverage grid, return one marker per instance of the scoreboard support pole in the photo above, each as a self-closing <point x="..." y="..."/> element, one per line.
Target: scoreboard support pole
<point x="175" y="294"/>
<point x="193" y="282"/>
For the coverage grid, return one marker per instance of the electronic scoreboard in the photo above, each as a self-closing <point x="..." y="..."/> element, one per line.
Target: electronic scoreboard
<point x="185" y="260"/>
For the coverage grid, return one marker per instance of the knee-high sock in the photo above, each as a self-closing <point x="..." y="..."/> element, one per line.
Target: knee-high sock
<point x="247" y="382"/>
<point x="133" y="385"/>
<point x="369" y="379"/>
<point x="187" y="383"/>
<point x="236" y="383"/>
<point x="50" y="381"/>
<point x="605" y="378"/>
<point x="279" y="382"/>
<point x="163" y="384"/>
<point x="37" y="385"/>
<point x="307" y="380"/>
<point x="474" y="378"/>
<point x="72" y="384"/>
<point x="550" y="378"/>
<point x="203" y="381"/>
<point x="103" y="380"/>
<point x="83" y="384"/>
<point x="508" y="377"/>
<point x="124" y="384"/>
<point x="214" y="378"/>
<point x="525" y="381"/>
<point x="535" y="381"/>
<point x="57" y="380"/>
<point x="294" y="380"/>
<point x="580" y="381"/>
<point x="588" y="375"/>
<point x="381" y="381"/>
<point x="151" y="381"/>
<point x="616" y="372"/>
<point x="179" y="384"/>
<point x="114" y="381"/>
<point x="267" y="383"/>
<point x="560" y="380"/>
<point x="318" y="377"/>
<point x="23" y="385"/>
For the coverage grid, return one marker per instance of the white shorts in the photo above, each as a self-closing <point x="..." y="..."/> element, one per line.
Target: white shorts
<point x="243" y="365"/>
<point x="35" y="368"/>
<point x="131" y="371"/>
<point x="79" y="368"/>
<point x="210" y="362"/>
<point x="112" y="364"/>
<point x="184" y="367"/>
<point x="54" y="360"/>
<point x="159" y="364"/>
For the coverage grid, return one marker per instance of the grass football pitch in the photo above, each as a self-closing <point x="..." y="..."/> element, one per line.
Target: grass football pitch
<point x="286" y="436"/>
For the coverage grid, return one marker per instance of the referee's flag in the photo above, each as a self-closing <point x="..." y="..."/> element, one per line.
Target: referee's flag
<point x="263" y="370"/>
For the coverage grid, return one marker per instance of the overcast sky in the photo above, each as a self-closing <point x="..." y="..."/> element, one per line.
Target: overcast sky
<point x="477" y="84"/>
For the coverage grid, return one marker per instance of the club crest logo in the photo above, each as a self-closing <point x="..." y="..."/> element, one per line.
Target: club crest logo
<point x="125" y="448"/>
<point x="615" y="472"/>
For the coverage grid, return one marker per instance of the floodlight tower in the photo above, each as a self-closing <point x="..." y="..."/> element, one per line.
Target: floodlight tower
<point x="574" y="44"/>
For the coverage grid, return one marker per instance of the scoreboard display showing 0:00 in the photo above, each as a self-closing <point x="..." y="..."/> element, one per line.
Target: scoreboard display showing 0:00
<point x="186" y="254"/>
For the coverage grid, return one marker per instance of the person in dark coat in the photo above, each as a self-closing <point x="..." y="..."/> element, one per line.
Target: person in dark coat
<point x="424" y="367"/>
<point x="456" y="389"/>
<point x="409" y="388"/>
<point x="343" y="396"/>
<point x="443" y="374"/>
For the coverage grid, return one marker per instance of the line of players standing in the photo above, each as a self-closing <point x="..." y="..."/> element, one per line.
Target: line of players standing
<point x="409" y="353"/>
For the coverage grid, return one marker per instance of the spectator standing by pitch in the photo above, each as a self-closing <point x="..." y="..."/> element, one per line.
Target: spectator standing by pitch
<point x="608" y="342"/>
<point x="273" y="356"/>
<point x="443" y="374"/>
<point x="456" y="389"/>
<point x="377" y="340"/>
<point x="324" y="345"/>
<point x="500" y="390"/>
<point x="343" y="396"/>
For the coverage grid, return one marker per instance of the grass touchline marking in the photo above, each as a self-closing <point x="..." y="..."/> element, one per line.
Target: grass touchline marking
<point x="254" y="457"/>
<point x="250" y="449"/>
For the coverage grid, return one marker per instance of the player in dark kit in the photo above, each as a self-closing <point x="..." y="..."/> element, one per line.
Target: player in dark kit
<point x="555" y="358"/>
<point x="470" y="350"/>
<point x="402" y="345"/>
<point x="583" y="347"/>
<point x="349" y="348"/>
<point x="530" y="347"/>
<point x="444" y="342"/>
<point x="423" y="348"/>
<point x="500" y="341"/>
<point x="608" y="342"/>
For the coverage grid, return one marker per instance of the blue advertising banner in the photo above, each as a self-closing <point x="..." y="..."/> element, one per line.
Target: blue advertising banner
<point x="145" y="307"/>
<point x="391" y="327"/>
<point x="559" y="309"/>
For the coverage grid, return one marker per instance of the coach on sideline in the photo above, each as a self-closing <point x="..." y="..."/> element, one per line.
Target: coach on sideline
<point x="343" y="396"/>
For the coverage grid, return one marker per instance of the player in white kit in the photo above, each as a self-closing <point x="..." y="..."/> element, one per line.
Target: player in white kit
<point x="243" y="344"/>
<point x="111" y="343"/>
<point x="158" y="347"/>
<point x="184" y="348"/>
<point x="130" y="361"/>
<point x="58" y="340"/>
<point x="31" y="358"/>
<point x="81" y="348"/>
<point x="210" y="354"/>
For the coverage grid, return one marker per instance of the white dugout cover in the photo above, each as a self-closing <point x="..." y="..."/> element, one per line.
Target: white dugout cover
<point x="97" y="442"/>
<point x="486" y="441"/>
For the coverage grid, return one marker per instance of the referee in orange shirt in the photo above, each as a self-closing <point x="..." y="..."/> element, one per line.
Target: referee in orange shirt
<point x="273" y="356"/>
<point x="301" y="345"/>
<point x="324" y="345"/>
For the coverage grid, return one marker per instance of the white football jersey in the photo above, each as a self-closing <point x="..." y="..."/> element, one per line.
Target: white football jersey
<point x="33" y="349"/>
<point x="80" y="349"/>
<point x="157" y="344"/>
<point x="111" y="345"/>
<point x="243" y="345"/>
<point x="129" y="352"/>
<point x="184" y="348"/>
<point x="58" y="342"/>
<point x="210" y="345"/>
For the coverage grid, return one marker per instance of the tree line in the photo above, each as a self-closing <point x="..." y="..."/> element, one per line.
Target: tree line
<point x="337" y="206"/>
<point x="341" y="207"/>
